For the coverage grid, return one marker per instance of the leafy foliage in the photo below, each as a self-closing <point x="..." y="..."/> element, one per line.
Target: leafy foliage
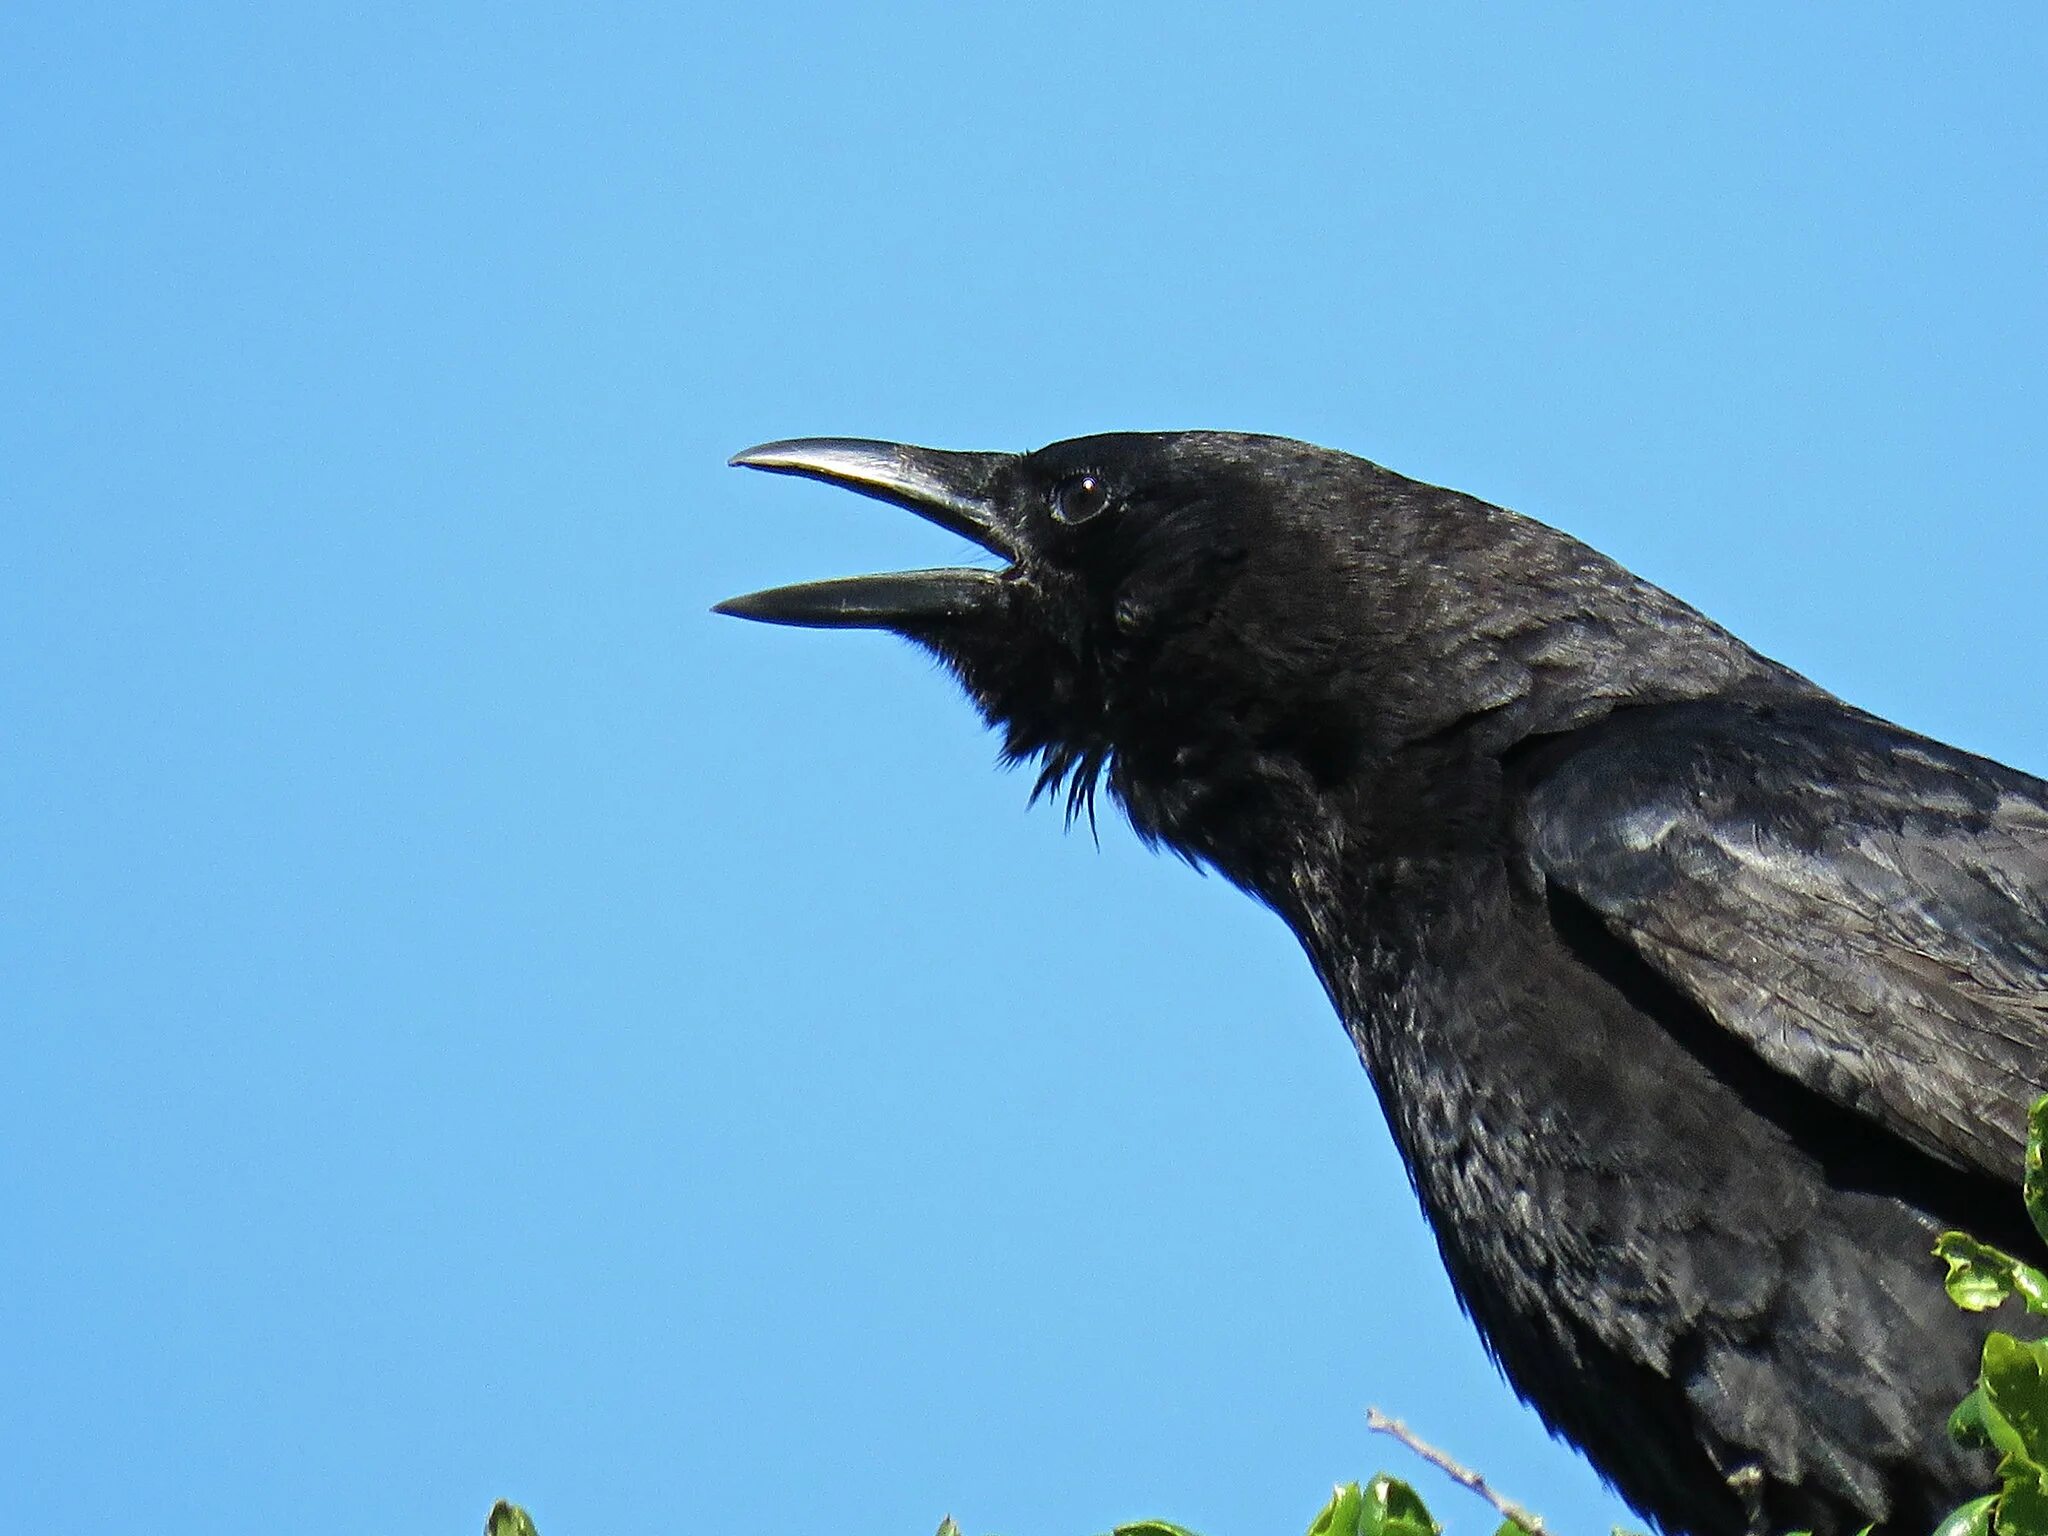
<point x="2007" y="1411"/>
<point x="1386" y="1506"/>
<point x="1981" y="1277"/>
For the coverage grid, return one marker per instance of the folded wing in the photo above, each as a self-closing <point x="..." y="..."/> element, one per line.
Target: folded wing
<point x="1866" y="909"/>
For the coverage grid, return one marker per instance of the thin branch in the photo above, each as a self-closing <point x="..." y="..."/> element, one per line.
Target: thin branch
<point x="1524" y="1521"/>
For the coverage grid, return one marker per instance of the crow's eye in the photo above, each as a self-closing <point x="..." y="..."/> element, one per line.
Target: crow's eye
<point x="1079" y="497"/>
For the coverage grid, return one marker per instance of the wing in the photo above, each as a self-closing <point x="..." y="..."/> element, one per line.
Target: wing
<point x="1866" y="909"/>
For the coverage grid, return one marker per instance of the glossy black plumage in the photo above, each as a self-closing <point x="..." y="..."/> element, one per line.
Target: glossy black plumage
<point x="1698" y="1001"/>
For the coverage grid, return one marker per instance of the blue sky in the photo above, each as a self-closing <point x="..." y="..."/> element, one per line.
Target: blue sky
<point x="478" y="1025"/>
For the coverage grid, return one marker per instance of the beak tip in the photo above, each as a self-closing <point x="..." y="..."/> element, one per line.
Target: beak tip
<point x="746" y="606"/>
<point x="817" y="456"/>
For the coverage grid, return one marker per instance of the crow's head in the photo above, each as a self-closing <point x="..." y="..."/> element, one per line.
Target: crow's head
<point x="1215" y="617"/>
<point x="1166" y="597"/>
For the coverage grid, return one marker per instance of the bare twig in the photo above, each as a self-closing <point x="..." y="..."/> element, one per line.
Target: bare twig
<point x="1524" y="1521"/>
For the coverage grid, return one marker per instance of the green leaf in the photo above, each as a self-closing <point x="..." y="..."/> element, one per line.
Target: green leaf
<point x="949" y="1527"/>
<point x="1343" y="1515"/>
<point x="1977" y="1424"/>
<point x="1152" y="1528"/>
<point x="2036" y="1188"/>
<point x="1386" y="1506"/>
<point x="508" y="1519"/>
<point x="2023" y="1501"/>
<point x="1971" y="1519"/>
<point x="1981" y="1276"/>
<point x="1392" y="1508"/>
<point x="2014" y="1380"/>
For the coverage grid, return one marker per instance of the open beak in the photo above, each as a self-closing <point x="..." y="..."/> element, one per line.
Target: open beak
<point x="958" y="491"/>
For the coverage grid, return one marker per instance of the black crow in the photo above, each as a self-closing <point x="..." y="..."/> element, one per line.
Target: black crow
<point x="1698" y="1001"/>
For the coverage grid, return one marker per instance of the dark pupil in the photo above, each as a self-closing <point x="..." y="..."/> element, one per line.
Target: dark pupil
<point x="1080" y="499"/>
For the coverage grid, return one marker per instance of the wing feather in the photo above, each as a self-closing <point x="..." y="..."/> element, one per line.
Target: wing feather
<point x="1867" y="909"/>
